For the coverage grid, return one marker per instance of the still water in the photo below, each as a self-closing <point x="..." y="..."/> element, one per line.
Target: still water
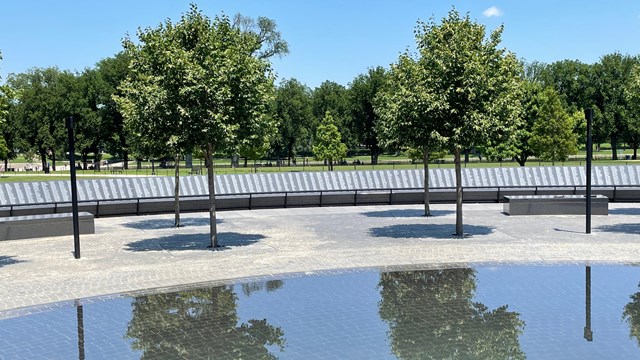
<point x="487" y="312"/>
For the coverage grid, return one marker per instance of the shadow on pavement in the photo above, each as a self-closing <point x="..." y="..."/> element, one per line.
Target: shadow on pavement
<point x="623" y="211"/>
<point x="156" y="224"/>
<point x="438" y="231"/>
<point x="405" y="213"/>
<point x="193" y="242"/>
<point x="9" y="260"/>
<point x="621" y="228"/>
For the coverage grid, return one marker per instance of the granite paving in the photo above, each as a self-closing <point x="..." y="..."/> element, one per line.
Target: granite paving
<point x="135" y="253"/>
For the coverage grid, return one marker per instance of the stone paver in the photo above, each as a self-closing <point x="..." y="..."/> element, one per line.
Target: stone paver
<point x="135" y="253"/>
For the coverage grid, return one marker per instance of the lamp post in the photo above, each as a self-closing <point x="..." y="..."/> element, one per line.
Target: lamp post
<point x="74" y="189"/>
<point x="588" y="113"/>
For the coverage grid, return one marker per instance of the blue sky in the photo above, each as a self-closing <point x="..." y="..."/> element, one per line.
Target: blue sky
<point x="328" y="40"/>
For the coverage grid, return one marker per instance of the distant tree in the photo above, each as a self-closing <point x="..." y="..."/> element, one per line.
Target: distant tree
<point x="362" y="93"/>
<point x="44" y="98"/>
<point x="4" y="113"/>
<point x="572" y="80"/>
<point x="611" y="74"/>
<point x="328" y="144"/>
<point x="632" y="94"/>
<point x="473" y="86"/>
<point x="110" y="73"/>
<point x="198" y="83"/>
<point x="264" y="30"/>
<point x="553" y="138"/>
<point x="293" y="109"/>
<point x="518" y="145"/>
<point x="334" y="98"/>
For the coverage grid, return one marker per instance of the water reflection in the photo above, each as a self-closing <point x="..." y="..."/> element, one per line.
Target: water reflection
<point x="631" y="314"/>
<point x="200" y="324"/>
<point x="431" y="315"/>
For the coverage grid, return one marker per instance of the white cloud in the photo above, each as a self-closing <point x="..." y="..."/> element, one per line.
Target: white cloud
<point x="492" y="11"/>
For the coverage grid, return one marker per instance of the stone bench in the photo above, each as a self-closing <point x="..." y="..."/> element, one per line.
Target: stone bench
<point x="555" y="205"/>
<point x="44" y="225"/>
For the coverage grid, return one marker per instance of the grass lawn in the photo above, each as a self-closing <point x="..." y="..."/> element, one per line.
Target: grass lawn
<point x="223" y="167"/>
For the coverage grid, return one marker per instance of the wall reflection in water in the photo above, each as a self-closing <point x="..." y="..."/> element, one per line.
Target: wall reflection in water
<point x="432" y="315"/>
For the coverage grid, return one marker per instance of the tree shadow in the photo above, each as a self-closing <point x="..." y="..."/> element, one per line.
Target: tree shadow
<point x="627" y="211"/>
<point x="226" y="240"/>
<point x="9" y="260"/>
<point x="437" y="231"/>
<point x="156" y="224"/>
<point x="621" y="228"/>
<point x="406" y="213"/>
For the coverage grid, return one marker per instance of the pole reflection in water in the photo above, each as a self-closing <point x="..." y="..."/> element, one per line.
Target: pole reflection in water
<point x="588" y="334"/>
<point x="80" y="321"/>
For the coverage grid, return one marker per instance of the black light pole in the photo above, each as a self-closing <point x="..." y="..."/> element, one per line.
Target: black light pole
<point x="588" y="113"/>
<point x="74" y="189"/>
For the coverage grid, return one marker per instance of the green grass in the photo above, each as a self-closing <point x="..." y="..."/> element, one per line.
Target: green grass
<point x="222" y="167"/>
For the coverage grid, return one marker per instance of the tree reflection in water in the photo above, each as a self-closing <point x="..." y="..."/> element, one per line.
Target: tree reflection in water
<point x="631" y="314"/>
<point x="200" y="324"/>
<point x="431" y="315"/>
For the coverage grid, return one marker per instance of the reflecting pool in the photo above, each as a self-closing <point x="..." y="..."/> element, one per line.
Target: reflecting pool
<point x="485" y="312"/>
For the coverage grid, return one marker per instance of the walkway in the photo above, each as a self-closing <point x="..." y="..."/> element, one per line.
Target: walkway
<point x="134" y="253"/>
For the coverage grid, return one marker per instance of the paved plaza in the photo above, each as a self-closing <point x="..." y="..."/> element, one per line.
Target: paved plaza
<point x="143" y="252"/>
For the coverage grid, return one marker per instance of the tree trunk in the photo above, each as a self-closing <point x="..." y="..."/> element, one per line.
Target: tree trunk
<point x="43" y="159"/>
<point x="212" y="198"/>
<point x="375" y="152"/>
<point x="176" y="192"/>
<point x="425" y="161"/>
<point x="459" y="231"/>
<point x="97" y="160"/>
<point x="614" y="147"/>
<point x="53" y="161"/>
<point x="635" y="152"/>
<point x="125" y="160"/>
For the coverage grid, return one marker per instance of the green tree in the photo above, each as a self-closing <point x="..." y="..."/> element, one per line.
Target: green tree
<point x="632" y="93"/>
<point x="45" y="97"/>
<point x="110" y="73"/>
<point x="210" y="319"/>
<point x="198" y="83"/>
<point x="553" y="137"/>
<point x="334" y="98"/>
<point x="4" y="112"/>
<point x="362" y="93"/>
<point x="328" y="145"/>
<point x="265" y="31"/>
<point x="472" y="84"/>
<point x="432" y="315"/>
<point x="294" y="111"/>
<point x="407" y="116"/>
<point x="611" y="74"/>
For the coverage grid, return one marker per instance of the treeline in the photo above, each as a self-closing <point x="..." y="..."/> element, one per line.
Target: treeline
<point x="552" y="99"/>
